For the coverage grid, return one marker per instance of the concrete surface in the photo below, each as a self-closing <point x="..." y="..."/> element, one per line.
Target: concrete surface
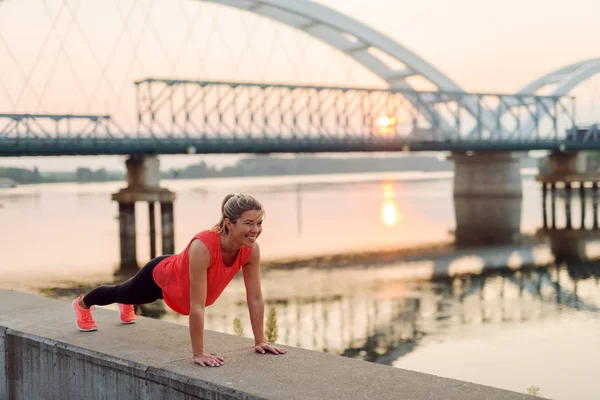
<point x="44" y="356"/>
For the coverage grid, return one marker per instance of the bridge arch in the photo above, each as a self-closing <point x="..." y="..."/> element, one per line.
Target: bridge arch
<point x="364" y="44"/>
<point x="357" y="40"/>
<point x="566" y="78"/>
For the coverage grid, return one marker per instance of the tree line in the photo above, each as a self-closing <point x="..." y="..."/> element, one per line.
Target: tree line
<point x="26" y="176"/>
<point x="249" y="166"/>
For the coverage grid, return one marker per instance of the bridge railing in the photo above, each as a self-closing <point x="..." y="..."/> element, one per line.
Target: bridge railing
<point x="58" y="126"/>
<point x="184" y="116"/>
<point x="190" y="108"/>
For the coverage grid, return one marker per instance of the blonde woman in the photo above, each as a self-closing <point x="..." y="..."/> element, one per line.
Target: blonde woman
<point x="195" y="278"/>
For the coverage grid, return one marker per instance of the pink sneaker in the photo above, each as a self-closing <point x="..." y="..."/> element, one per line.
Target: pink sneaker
<point x="83" y="318"/>
<point x="126" y="314"/>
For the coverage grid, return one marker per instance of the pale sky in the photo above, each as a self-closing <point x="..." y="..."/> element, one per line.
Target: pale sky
<point x="88" y="62"/>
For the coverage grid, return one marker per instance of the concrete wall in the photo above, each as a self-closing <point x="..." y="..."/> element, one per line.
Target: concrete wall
<point x="43" y="356"/>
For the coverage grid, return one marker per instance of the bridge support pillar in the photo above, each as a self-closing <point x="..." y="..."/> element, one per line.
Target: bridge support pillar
<point x="564" y="167"/>
<point x="127" y="235"/>
<point x="487" y="174"/>
<point x="143" y="176"/>
<point x="563" y="172"/>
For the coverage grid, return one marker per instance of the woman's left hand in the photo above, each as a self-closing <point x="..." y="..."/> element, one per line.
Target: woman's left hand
<point x="263" y="347"/>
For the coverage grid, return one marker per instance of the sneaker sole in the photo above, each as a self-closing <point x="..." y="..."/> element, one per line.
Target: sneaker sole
<point x="82" y="330"/>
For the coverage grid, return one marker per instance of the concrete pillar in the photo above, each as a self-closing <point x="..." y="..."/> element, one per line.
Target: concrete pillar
<point x="595" y="204"/>
<point x="553" y="203"/>
<point x="487" y="174"/>
<point x="152" y="222"/>
<point x="544" y="215"/>
<point x="561" y="165"/>
<point x="127" y="235"/>
<point x="167" y="227"/>
<point x="143" y="176"/>
<point x="582" y="200"/>
<point x="143" y="172"/>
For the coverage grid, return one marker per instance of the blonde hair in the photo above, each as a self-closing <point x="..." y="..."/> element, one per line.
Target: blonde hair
<point x="232" y="208"/>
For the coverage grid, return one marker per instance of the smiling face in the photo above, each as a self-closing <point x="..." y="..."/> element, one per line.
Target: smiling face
<point x="247" y="228"/>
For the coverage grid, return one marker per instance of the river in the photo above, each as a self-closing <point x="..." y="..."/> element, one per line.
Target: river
<point x="383" y="267"/>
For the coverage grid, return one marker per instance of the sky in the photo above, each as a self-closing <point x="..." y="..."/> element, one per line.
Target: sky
<point x="83" y="55"/>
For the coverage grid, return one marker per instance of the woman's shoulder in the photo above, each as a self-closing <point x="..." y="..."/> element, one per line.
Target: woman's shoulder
<point x="206" y="234"/>
<point x="208" y="237"/>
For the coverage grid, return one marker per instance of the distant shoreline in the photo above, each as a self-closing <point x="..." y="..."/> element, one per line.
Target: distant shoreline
<point x="313" y="179"/>
<point x="251" y="167"/>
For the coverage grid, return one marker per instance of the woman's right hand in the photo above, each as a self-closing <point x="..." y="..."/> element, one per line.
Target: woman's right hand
<point x="208" y="360"/>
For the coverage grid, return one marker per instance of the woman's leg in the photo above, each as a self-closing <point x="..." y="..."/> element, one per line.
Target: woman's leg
<point x="139" y="289"/>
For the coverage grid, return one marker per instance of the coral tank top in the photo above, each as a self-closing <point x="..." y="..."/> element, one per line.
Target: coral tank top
<point x="172" y="274"/>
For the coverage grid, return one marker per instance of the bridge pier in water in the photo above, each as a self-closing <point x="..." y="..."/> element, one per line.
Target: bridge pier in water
<point x="143" y="177"/>
<point x="567" y="172"/>
<point x="567" y="180"/>
<point x="494" y="174"/>
<point x="487" y="198"/>
<point x="486" y="221"/>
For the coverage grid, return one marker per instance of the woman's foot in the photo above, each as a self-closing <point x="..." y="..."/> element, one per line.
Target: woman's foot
<point x="126" y="314"/>
<point x="83" y="316"/>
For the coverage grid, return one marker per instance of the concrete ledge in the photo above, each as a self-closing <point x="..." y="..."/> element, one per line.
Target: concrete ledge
<point x="43" y="356"/>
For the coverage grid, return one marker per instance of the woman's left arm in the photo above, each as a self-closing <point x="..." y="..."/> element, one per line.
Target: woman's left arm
<point x="256" y="305"/>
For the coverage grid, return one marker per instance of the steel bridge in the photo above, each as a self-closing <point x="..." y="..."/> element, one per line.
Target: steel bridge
<point x="183" y="116"/>
<point x="176" y="116"/>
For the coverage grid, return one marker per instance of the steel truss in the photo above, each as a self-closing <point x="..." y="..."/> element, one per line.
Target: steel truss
<point x="170" y="108"/>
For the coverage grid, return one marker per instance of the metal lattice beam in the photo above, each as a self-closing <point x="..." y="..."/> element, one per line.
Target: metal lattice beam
<point x="16" y="126"/>
<point x="182" y="108"/>
<point x="182" y="116"/>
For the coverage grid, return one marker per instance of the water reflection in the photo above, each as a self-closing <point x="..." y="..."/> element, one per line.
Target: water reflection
<point x="501" y="269"/>
<point x="384" y="319"/>
<point x="380" y="310"/>
<point x="381" y="328"/>
<point x="389" y="211"/>
<point x="387" y="304"/>
<point x="487" y="221"/>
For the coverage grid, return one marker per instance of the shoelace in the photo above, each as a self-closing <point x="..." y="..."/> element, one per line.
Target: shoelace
<point x="87" y="315"/>
<point x="128" y="310"/>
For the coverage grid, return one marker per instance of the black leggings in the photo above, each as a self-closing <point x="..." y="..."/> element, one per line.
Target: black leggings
<point x="139" y="289"/>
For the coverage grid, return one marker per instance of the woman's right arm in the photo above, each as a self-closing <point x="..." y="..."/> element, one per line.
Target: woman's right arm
<point x="199" y="256"/>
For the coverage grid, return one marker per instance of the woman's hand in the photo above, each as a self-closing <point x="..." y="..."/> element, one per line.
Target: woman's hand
<point x="208" y="360"/>
<point x="263" y="347"/>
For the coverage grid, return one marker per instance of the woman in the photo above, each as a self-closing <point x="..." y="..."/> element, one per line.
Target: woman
<point x="193" y="279"/>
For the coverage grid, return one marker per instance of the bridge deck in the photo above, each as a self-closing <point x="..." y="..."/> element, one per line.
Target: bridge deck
<point x="116" y="146"/>
<point x="184" y="116"/>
